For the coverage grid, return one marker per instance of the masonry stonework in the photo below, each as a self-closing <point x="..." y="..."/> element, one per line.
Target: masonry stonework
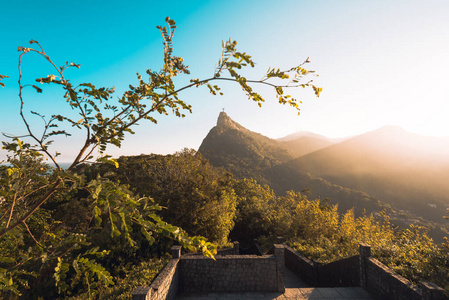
<point x="231" y="273"/>
<point x="300" y="265"/>
<point x="165" y="286"/>
<point x="386" y="284"/>
<point x="383" y="283"/>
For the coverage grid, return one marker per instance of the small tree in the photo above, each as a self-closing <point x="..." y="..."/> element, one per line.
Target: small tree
<point x="32" y="240"/>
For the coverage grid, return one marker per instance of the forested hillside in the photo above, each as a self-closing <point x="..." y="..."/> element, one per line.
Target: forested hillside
<point x="210" y="201"/>
<point x="195" y="196"/>
<point x="247" y="154"/>
<point x="403" y="169"/>
<point x="384" y="170"/>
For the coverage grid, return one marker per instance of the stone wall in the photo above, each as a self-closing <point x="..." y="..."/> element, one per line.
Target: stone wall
<point x="383" y="283"/>
<point x="227" y="273"/>
<point x="232" y="273"/>
<point x="165" y="286"/>
<point x="340" y="273"/>
<point x="344" y="272"/>
<point x="300" y="265"/>
<point x="362" y="270"/>
<point x="252" y="273"/>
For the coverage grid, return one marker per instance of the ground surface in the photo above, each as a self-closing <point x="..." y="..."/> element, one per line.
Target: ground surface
<point x="295" y="288"/>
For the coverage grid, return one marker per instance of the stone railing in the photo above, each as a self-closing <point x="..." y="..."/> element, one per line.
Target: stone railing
<point x="384" y="283"/>
<point x="301" y="266"/>
<point x="340" y="273"/>
<point x="254" y="273"/>
<point x="362" y="270"/>
<point x="232" y="273"/>
<point x="165" y="286"/>
<point x="227" y="273"/>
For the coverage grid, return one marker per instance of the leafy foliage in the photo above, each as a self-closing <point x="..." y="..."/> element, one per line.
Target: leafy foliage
<point x="317" y="230"/>
<point x="132" y="277"/>
<point x="194" y="196"/>
<point x="54" y="221"/>
<point x="253" y="217"/>
<point x="321" y="233"/>
<point x="63" y="235"/>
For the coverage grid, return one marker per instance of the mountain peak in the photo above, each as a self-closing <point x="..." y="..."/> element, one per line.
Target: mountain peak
<point x="222" y="119"/>
<point x="392" y="129"/>
<point x="247" y="152"/>
<point x="225" y="121"/>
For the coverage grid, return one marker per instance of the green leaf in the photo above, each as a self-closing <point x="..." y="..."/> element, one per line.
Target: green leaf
<point x="97" y="215"/>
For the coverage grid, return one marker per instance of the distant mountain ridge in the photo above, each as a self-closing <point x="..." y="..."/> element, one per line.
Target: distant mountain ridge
<point x="305" y="145"/>
<point x="388" y="165"/>
<point x="301" y="134"/>
<point x="248" y="154"/>
<point x="399" y="167"/>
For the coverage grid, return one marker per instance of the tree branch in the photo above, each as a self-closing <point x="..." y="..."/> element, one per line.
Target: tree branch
<point x="34" y="208"/>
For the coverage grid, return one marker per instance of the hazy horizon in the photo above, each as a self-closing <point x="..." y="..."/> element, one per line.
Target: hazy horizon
<point x="381" y="63"/>
<point x="384" y="133"/>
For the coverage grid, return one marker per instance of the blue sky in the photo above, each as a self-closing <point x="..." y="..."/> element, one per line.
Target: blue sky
<point x="380" y="62"/>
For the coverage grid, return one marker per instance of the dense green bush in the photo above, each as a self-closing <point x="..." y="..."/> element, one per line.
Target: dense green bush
<point x="318" y="231"/>
<point x="194" y="195"/>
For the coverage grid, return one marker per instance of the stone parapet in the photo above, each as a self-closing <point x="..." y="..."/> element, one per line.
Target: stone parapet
<point x="280" y="265"/>
<point x="300" y="265"/>
<point x="362" y="270"/>
<point x="384" y="283"/>
<point x="431" y="291"/>
<point x="231" y="273"/>
<point x="165" y="286"/>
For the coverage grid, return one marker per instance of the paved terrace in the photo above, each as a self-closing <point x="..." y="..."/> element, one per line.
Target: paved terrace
<point x="295" y="288"/>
